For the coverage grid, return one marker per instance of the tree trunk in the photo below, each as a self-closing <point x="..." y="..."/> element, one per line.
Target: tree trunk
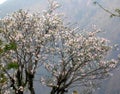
<point x="19" y="92"/>
<point x="30" y="84"/>
<point x="53" y="91"/>
<point x="57" y="91"/>
<point x="32" y="91"/>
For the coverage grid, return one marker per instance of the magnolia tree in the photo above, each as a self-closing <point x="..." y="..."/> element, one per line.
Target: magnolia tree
<point x="22" y="50"/>
<point x="71" y="57"/>
<point x="75" y="59"/>
<point x="24" y="39"/>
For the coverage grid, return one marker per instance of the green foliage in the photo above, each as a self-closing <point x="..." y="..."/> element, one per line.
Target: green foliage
<point x="1" y="42"/>
<point x="1" y="50"/>
<point x="118" y="11"/>
<point x="112" y="15"/>
<point x="0" y="30"/>
<point x="12" y="65"/>
<point x="3" y="78"/>
<point x="10" y="46"/>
